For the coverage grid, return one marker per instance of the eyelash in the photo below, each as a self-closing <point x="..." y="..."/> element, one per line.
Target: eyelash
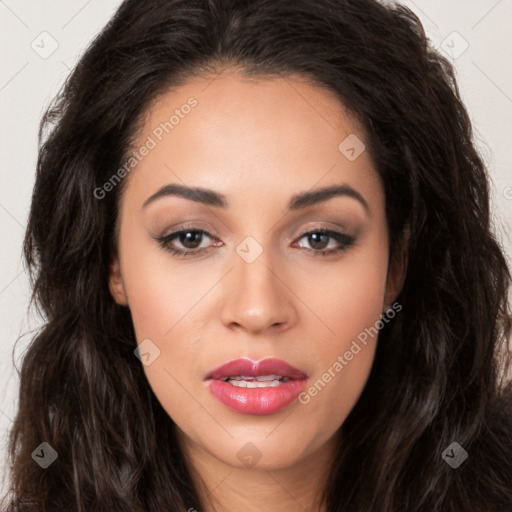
<point x="346" y="241"/>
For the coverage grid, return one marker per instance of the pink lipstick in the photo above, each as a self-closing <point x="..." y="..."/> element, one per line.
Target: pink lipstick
<point x="256" y="387"/>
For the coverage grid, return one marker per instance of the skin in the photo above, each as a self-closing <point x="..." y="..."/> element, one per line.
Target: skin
<point x="258" y="143"/>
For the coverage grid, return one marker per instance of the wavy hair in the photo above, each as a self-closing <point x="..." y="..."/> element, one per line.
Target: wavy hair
<point x="441" y="367"/>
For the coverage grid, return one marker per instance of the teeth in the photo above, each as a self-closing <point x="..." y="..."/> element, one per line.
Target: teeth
<point x="254" y="384"/>
<point x="262" y="381"/>
<point x="263" y="378"/>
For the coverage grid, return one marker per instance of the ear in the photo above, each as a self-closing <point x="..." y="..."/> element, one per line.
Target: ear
<point x="116" y="284"/>
<point x="397" y="270"/>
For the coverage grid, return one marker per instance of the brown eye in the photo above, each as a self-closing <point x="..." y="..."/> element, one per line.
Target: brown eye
<point x="184" y="242"/>
<point x="319" y="240"/>
<point x="190" y="242"/>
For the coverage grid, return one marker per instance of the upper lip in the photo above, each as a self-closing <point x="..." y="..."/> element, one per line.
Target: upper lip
<point x="247" y="367"/>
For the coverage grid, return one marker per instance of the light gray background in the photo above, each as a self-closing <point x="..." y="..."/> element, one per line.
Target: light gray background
<point x="29" y="78"/>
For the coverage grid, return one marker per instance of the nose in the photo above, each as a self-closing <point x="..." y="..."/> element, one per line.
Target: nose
<point x="257" y="298"/>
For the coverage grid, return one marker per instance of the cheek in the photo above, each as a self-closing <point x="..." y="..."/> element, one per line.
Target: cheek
<point x="164" y="305"/>
<point x="164" y="313"/>
<point x="350" y="306"/>
<point x="344" y="363"/>
<point x="158" y="294"/>
<point x="347" y="296"/>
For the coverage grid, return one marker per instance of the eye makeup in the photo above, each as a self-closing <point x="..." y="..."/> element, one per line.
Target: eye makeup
<point x="314" y="236"/>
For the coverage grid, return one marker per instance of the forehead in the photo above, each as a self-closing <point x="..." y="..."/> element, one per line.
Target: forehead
<point x="261" y="137"/>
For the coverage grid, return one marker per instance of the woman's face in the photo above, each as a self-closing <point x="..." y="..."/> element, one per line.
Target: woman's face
<point x="253" y="285"/>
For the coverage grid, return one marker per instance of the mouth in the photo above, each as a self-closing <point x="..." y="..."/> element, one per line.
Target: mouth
<point x="256" y="387"/>
<point x="263" y="381"/>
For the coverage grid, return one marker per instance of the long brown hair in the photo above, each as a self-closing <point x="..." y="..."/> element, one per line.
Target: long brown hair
<point x="437" y="376"/>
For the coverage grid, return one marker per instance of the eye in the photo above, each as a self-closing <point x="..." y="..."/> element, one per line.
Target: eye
<point x="319" y="239"/>
<point x="191" y="240"/>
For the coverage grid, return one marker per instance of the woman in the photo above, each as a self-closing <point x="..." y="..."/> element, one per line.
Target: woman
<point x="260" y="233"/>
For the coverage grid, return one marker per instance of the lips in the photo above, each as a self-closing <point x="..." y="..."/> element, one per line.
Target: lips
<point x="256" y="387"/>
<point x="248" y="368"/>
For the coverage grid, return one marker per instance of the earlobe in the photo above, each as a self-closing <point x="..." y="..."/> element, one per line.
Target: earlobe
<point x="116" y="284"/>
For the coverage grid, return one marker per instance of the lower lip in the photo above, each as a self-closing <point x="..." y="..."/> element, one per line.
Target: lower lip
<point x="258" y="401"/>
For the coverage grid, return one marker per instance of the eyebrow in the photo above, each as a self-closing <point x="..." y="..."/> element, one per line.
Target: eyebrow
<point x="297" y="202"/>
